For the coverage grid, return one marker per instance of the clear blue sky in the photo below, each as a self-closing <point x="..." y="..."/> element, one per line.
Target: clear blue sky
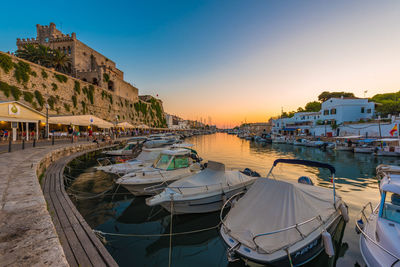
<point x="231" y="60"/>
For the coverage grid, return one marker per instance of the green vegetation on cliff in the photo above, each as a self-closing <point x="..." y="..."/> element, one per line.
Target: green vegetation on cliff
<point x="6" y="63"/>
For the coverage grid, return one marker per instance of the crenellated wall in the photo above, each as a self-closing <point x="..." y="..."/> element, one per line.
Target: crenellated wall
<point x="60" y="91"/>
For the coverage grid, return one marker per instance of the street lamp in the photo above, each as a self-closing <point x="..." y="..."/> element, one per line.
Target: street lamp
<point x="47" y="120"/>
<point x="325" y="126"/>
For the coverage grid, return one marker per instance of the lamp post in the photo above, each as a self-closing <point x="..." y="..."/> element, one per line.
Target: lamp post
<point x="47" y="121"/>
<point x="325" y="127"/>
<point x="115" y="129"/>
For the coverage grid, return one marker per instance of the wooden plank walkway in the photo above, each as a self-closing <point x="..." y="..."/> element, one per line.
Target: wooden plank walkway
<point x="80" y="244"/>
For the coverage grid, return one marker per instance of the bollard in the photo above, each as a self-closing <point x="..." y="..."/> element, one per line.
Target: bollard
<point x="9" y="145"/>
<point x="23" y="144"/>
<point x="34" y="142"/>
<point x="52" y="140"/>
<point x="72" y="139"/>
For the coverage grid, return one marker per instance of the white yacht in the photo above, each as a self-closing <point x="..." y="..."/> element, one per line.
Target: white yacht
<point x="283" y="223"/>
<point x="204" y="192"/>
<point x="380" y="231"/>
<point x="171" y="165"/>
<point x="144" y="159"/>
<point x="127" y="150"/>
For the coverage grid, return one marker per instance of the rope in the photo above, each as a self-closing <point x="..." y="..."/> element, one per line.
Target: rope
<point x="158" y="235"/>
<point x="170" y="232"/>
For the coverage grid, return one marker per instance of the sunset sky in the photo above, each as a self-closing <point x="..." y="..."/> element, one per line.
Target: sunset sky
<point x="230" y="60"/>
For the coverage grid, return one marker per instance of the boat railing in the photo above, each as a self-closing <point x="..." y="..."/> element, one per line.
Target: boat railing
<point x="228" y="201"/>
<point x="295" y="226"/>
<point x="207" y="187"/>
<point x="369" y="204"/>
<point x="374" y="242"/>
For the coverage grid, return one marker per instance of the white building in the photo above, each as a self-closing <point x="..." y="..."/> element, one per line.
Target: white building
<point x="333" y="111"/>
<point x="347" y="109"/>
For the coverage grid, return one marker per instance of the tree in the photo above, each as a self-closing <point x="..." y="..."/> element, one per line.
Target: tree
<point x="326" y="95"/>
<point x="388" y="103"/>
<point x="314" y="106"/>
<point x="46" y="57"/>
<point x="60" y="61"/>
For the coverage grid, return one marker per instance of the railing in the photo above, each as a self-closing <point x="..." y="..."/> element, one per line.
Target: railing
<point x="370" y="239"/>
<point x="295" y="226"/>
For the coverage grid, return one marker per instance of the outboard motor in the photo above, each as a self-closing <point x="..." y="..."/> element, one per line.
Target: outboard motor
<point x="305" y="180"/>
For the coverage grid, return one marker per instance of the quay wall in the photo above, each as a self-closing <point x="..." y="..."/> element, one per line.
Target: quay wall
<point x="35" y="85"/>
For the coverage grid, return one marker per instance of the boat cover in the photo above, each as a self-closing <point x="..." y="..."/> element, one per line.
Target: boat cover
<point x="213" y="177"/>
<point x="271" y="205"/>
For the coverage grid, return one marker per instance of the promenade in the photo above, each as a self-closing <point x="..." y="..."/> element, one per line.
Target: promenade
<point x="27" y="233"/>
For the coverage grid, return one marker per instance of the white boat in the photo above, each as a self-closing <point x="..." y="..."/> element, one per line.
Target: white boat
<point x="145" y="159"/>
<point x="364" y="149"/>
<point x="389" y="147"/>
<point x="282" y="223"/>
<point x="127" y="150"/>
<point x="380" y="232"/>
<point x="203" y="192"/>
<point x="171" y="165"/>
<point x="341" y="147"/>
<point x="279" y="140"/>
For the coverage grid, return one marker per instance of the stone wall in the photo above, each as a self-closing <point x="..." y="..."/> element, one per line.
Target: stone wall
<point x="26" y="82"/>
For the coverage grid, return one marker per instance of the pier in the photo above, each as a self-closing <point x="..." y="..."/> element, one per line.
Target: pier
<point x="43" y="228"/>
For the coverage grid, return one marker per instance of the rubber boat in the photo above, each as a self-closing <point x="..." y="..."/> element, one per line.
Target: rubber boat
<point x="171" y="165"/>
<point x="283" y="223"/>
<point x="203" y="192"/>
<point x="380" y="230"/>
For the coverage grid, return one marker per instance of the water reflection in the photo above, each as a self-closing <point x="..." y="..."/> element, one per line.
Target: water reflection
<point x="119" y="212"/>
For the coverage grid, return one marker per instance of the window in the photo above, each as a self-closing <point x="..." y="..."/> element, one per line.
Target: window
<point x="362" y="110"/>
<point x="333" y="111"/>
<point x="326" y="112"/>
<point x="179" y="162"/>
<point x="369" y="110"/>
<point x="163" y="161"/>
<point x="69" y="50"/>
<point x="391" y="207"/>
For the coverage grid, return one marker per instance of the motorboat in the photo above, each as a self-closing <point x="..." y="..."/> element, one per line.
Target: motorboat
<point x="380" y="231"/>
<point x="279" y="140"/>
<point x="389" y="147"/>
<point x="144" y="159"/>
<point x="314" y="143"/>
<point x="127" y="150"/>
<point x="160" y="140"/>
<point x="205" y="191"/>
<point x="365" y="146"/>
<point x="283" y="223"/>
<point x="171" y="165"/>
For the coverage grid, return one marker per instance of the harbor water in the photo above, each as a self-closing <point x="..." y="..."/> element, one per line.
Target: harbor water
<point x="139" y="229"/>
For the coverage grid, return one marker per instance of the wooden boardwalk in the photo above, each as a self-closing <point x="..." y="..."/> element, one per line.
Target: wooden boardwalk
<point x="80" y="244"/>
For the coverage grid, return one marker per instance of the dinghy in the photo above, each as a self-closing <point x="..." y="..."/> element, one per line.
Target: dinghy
<point x="282" y="223"/>
<point x="203" y="192"/>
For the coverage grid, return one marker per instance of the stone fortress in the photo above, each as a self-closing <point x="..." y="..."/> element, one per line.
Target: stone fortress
<point x="93" y="86"/>
<point x="86" y="63"/>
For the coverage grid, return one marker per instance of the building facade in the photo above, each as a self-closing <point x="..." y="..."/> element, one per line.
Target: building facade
<point x="86" y="63"/>
<point x="334" y="111"/>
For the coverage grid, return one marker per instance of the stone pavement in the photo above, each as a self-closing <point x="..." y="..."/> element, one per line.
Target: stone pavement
<point x="27" y="233"/>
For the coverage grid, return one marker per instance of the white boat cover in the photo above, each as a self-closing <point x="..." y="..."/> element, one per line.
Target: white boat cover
<point x="213" y="177"/>
<point x="271" y="205"/>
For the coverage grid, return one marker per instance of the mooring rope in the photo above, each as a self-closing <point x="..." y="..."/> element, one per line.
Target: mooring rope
<point x="158" y="235"/>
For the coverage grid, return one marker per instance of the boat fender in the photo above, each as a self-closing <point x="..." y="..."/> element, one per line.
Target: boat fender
<point x="344" y="212"/>
<point x="328" y="245"/>
<point x="360" y="225"/>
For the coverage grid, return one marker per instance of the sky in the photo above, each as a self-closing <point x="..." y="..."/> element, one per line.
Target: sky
<point x="230" y="61"/>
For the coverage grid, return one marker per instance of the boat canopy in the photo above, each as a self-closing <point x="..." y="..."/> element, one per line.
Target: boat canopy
<point x="348" y="137"/>
<point x="391" y="184"/>
<point x="213" y="177"/>
<point x="176" y="152"/>
<point x="273" y="205"/>
<point x="368" y="140"/>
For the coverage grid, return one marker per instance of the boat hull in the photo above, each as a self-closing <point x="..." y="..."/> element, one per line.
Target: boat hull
<point x="202" y="205"/>
<point x="299" y="257"/>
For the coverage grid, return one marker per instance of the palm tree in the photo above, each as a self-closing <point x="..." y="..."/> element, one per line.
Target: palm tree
<point x="60" y="61"/>
<point x="44" y="55"/>
<point x="28" y="52"/>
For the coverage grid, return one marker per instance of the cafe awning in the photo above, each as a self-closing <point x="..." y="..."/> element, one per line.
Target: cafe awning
<point x="15" y="111"/>
<point x="143" y="126"/>
<point x="125" y="125"/>
<point x="80" y="120"/>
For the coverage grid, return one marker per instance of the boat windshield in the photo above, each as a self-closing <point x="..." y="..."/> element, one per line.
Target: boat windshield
<point x="391" y="207"/>
<point x="163" y="161"/>
<point x="129" y="147"/>
<point x="179" y="162"/>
